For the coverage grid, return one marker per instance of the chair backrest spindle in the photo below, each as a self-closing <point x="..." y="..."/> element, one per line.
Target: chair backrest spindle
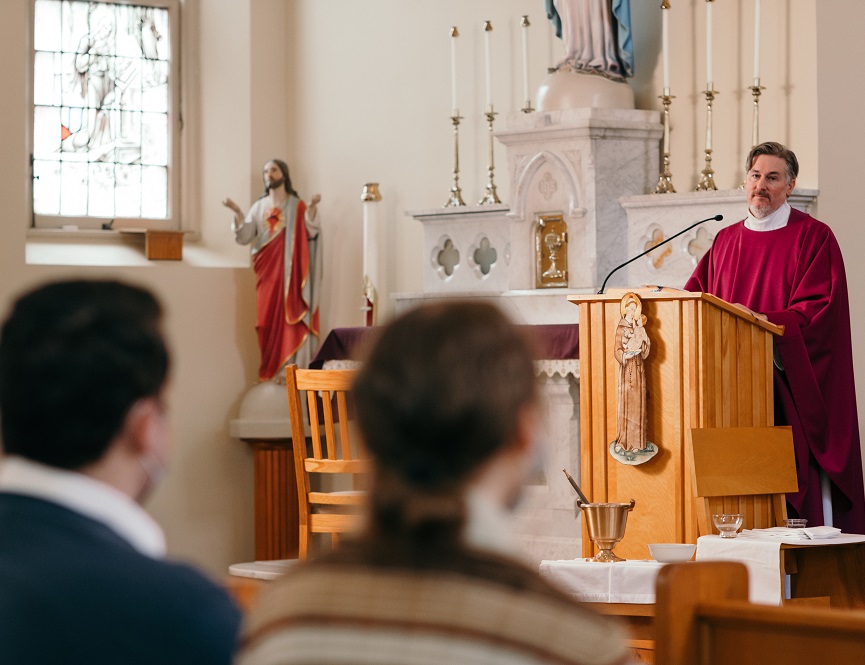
<point x="324" y="510"/>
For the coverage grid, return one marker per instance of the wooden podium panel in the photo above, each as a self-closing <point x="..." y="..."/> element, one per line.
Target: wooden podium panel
<point x="710" y="365"/>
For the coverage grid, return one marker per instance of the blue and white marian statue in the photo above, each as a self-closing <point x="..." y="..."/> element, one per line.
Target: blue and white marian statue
<point x="596" y="34"/>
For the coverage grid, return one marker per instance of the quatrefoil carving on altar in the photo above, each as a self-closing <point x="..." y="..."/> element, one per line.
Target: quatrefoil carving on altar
<point x="485" y="256"/>
<point x="657" y="259"/>
<point x="447" y="257"/>
<point x="700" y="244"/>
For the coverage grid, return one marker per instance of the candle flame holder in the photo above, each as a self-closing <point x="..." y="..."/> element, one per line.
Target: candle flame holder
<point x="456" y="198"/>
<point x="756" y="89"/>
<point x="490" y="196"/>
<point x="665" y="180"/>
<point x="707" y="179"/>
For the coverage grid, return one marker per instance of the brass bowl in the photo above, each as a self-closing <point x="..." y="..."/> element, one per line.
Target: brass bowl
<point x="606" y="523"/>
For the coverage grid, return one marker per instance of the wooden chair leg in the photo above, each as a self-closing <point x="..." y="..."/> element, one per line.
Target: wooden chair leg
<point x="303" y="544"/>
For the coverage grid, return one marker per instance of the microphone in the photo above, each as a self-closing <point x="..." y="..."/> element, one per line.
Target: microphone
<point x="716" y="218"/>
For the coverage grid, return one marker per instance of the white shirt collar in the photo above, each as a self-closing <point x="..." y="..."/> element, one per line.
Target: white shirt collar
<point x="86" y="496"/>
<point x="772" y="222"/>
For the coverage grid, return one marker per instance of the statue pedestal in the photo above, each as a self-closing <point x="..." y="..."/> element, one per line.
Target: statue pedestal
<point x="563" y="89"/>
<point x="263" y="423"/>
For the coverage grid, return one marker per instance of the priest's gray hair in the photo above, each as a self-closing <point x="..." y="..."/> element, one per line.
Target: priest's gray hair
<point x="773" y="149"/>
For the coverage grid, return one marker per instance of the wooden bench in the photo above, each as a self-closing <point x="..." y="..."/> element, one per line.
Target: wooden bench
<point x="703" y="617"/>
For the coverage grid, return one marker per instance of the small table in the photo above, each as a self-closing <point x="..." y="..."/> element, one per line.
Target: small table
<point x="625" y="589"/>
<point x="823" y="570"/>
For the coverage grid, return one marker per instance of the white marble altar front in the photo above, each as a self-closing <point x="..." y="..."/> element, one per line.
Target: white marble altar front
<point x="574" y="162"/>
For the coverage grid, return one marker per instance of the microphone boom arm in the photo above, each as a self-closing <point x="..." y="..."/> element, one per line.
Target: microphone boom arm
<point x="716" y="218"/>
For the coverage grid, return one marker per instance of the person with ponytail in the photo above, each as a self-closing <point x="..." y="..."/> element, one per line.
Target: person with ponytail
<point x="447" y="406"/>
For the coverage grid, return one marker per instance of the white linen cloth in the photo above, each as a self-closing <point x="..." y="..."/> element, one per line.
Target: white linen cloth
<point x="85" y="496"/>
<point x="787" y="534"/>
<point x="592" y="582"/>
<point x="760" y="551"/>
<point x="761" y="556"/>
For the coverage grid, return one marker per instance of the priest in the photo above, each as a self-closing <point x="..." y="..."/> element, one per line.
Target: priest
<point x="784" y="266"/>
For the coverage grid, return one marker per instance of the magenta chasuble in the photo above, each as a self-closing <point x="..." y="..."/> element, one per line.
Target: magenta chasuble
<point x="795" y="276"/>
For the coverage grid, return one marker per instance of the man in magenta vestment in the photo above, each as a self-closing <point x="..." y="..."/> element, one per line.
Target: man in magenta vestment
<point x="284" y="233"/>
<point x="786" y="267"/>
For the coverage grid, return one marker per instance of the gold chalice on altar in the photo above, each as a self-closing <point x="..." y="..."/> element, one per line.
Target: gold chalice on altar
<point x="606" y="523"/>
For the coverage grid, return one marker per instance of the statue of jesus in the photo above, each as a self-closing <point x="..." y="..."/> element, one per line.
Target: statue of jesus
<point x="285" y="234"/>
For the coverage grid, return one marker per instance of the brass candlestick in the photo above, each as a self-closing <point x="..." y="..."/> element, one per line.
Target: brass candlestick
<point x="755" y="91"/>
<point x="456" y="197"/>
<point x="665" y="180"/>
<point x="490" y="195"/>
<point x="707" y="180"/>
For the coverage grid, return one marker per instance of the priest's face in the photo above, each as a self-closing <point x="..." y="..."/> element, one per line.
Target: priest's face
<point x="766" y="185"/>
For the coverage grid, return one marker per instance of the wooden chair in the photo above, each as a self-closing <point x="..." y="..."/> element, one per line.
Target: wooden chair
<point x="703" y="618"/>
<point x="337" y="453"/>
<point x="744" y="470"/>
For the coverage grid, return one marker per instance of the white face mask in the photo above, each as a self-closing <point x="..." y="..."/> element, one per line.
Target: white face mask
<point x="155" y="469"/>
<point x="155" y="461"/>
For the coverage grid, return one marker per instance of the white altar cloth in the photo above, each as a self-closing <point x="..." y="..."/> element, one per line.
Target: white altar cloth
<point x="591" y="582"/>
<point x="761" y="554"/>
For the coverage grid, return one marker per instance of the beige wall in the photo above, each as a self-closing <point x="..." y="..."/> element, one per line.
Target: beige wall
<point x="351" y="92"/>
<point x="841" y="98"/>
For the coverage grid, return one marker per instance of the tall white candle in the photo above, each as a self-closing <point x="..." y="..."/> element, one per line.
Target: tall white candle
<point x="525" y="25"/>
<point x="756" y="42"/>
<point x="371" y="198"/>
<point x="370" y="237"/>
<point x="709" y="81"/>
<point x="665" y="44"/>
<point x="487" y="29"/>
<point x="454" y="34"/>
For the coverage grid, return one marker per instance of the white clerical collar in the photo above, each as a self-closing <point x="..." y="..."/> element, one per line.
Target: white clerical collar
<point x="488" y="525"/>
<point x="86" y="496"/>
<point x="772" y="222"/>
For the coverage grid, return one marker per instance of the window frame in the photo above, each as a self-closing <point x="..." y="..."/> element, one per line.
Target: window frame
<point x="172" y="221"/>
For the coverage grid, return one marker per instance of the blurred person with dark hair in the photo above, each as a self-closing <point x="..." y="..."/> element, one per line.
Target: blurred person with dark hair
<point x="86" y="434"/>
<point x="447" y="407"/>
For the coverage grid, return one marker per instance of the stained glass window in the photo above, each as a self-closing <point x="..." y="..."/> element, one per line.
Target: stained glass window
<point x="104" y="111"/>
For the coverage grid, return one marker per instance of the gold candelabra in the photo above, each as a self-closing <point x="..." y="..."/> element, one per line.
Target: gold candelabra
<point x="756" y="89"/>
<point x="707" y="179"/>
<point x="456" y="198"/>
<point x="490" y="195"/>
<point x="665" y="180"/>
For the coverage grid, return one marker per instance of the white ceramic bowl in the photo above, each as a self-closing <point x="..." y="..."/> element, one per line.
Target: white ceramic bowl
<point x="672" y="552"/>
